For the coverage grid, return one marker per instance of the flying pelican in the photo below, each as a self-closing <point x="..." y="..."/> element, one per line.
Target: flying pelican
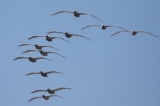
<point x="43" y="53"/>
<point x="39" y="47"/>
<point x="49" y="39"/>
<point x="50" y="91"/>
<point x="76" y="14"/>
<point x="68" y="35"/>
<point x="44" y="97"/>
<point x="103" y="27"/>
<point x="31" y="59"/>
<point x="133" y="33"/>
<point x="44" y="74"/>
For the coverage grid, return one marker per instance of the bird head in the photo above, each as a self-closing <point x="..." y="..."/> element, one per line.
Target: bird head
<point x="29" y="57"/>
<point x="74" y="11"/>
<point x="41" y="72"/>
<point x="48" y="89"/>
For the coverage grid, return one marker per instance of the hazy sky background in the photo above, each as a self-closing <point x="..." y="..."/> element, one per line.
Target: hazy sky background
<point x="122" y="70"/>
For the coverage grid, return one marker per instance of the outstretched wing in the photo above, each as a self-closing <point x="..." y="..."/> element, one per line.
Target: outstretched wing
<point x="25" y="44"/>
<point x="30" y="51"/>
<point x="55" y="95"/>
<point x="148" y="33"/>
<point x="49" y="72"/>
<point x="90" y="26"/>
<point x="60" y="38"/>
<point x="57" y="54"/>
<point x="81" y="36"/>
<point x="42" y="58"/>
<point x="50" y="47"/>
<point x="55" y="32"/>
<point x="116" y="27"/>
<point x="20" y="58"/>
<point x="119" y="32"/>
<point x="61" y="88"/>
<point x="34" y="98"/>
<point x="91" y="15"/>
<point x="35" y="37"/>
<point x="61" y="12"/>
<point x="39" y="91"/>
<point x="32" y="73"/>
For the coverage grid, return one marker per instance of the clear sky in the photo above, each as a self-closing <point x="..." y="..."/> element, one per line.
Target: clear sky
<point x="120" y="70"/>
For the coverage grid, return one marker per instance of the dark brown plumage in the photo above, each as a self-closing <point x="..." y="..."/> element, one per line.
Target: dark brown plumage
<point x="102" y="26"/>
<point x="49" y="39"/>
<point x="76" y="14"/>
<point x="39" y="47"/>
<point x="68" y="35"/>
<point x="135" y="33"/>
<point x="50" y="91"/>
<point x="44" y="97"/>
<point x="31" y="59"/>
<point x="43" y="53"/>
<point x="44" y="74"/>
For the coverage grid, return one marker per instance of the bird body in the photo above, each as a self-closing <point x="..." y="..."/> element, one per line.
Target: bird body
<point x="44" y="74"/>
<point x="39" y="47"/>
<point x="49" y="39"/>
<point x="44" y="97"/>
<point x="43" y="53"/>
<point x="68" y="35"/>
<point x="31" y="59"/>
<point x="103" y="27"/>
<point x="133" y="33"/>
<point x="50" y="91"/>
<point x="76" y="14"/>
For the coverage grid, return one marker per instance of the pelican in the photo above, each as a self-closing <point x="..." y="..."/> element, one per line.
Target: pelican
<point x="44" y="74"/>
<point x="43" y="53"/>
<point x="68" y="35"/>
<point x="103" y="27"/>
<point x="76" y="14"/>
<point x="50" y="91"/>
<point x="49" y="39"/>
<point x="133" y="33"/>
<point x="44" y="97"/>
<point x="39" y="47"/>
<point x="31" y="59"/>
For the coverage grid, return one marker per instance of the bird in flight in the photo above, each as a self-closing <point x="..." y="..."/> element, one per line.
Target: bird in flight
<point x="50" y="91"/>
<point x="44" y="74"/>
<point x="44" y="97"/>
<point x="31" y="59"/>
<point x="102" y="26"/>
<point x="39" y="47"/>
<point x="68" y="35"/>
<point x="135" y="33"/>
<point x="77" y="14"/>
<point x="43" y="53"/>
<point x="49" y="39"/>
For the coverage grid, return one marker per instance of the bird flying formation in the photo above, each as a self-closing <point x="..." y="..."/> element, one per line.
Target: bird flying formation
<point x="39" y="48"/>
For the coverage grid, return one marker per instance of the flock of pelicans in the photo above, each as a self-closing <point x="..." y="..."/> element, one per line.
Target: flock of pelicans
<point x="38" y="48"/>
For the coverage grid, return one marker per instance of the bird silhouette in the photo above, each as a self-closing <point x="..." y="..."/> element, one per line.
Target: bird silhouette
<point x="43" y="53"/>
<point x="49" y="39"/>
<point x="44" y="74"/>
<point x="133" y="33"/>
<point x="50" y="91"/>
<point x="44" y="97"/>
<point x="102" y="26"/>
<point x="39" y="47"/>
<point x="76" y="14"/>
<point x="68" y="35"/>
<point x="31" y="59"/>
